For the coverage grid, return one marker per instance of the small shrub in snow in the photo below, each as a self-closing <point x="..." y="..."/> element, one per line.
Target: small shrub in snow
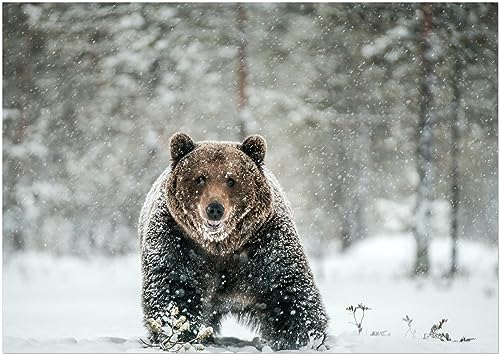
<point x="409" y="322"/>
<point x="436" y="334"/>
<point x="359" y="324"/>
<point x="169" y="330"/>
<point x="353" y="309"/>
<point x="464" y="339"/>
<point x="381" y="333"/>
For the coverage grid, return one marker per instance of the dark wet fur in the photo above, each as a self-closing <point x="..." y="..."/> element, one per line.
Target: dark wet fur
<point x="261" y="276"/>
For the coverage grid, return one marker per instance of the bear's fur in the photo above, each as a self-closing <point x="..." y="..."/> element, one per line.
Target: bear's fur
<point x="250" y="263"/>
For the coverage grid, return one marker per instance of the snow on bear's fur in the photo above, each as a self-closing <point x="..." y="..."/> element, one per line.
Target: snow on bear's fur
<point x="217" y="237"/>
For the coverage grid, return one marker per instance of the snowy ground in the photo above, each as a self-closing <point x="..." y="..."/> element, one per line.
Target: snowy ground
<point x="74" y="305"/>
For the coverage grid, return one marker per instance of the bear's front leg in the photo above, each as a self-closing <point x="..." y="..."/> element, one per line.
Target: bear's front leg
<point x="288" y="323"/>
<point x="168" y="284"/>
<point x="289" y="306"/>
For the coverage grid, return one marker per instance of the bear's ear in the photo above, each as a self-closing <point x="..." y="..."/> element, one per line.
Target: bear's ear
<point x="255" y="147"/>
<point x="180" y="145"/>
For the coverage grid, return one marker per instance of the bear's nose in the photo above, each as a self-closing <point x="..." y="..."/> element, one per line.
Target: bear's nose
<point x="215" y="211"/>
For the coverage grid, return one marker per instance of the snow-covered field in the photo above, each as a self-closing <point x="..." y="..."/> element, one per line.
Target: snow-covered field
<point x="73" y="305"/>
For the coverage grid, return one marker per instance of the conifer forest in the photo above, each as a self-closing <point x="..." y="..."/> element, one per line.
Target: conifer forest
<point x="381" y="123"/>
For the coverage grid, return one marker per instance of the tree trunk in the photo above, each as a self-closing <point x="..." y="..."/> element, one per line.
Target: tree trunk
<point x="345" y="237"/>
<point x="424" y="149"/>
<point x="455" y="143"/>
<point x="241" y="71"/>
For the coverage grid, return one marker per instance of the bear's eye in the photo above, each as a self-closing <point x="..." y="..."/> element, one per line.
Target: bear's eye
<point x="200" y="180"/>
<point x="230" y="182"/>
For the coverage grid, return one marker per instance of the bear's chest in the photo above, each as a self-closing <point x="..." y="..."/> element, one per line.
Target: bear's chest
<point x="229" y="290"/>
<point x="227" y="275"/>
<point x="226" y="281"/>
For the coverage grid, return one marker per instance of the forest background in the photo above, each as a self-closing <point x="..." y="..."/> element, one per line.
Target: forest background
<point x="379" y="118"/>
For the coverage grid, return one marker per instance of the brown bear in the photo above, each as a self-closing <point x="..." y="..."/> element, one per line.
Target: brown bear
<point x="217" y="237"/>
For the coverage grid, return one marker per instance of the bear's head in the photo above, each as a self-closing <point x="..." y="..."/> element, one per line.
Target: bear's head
<point x="217" y="191"/>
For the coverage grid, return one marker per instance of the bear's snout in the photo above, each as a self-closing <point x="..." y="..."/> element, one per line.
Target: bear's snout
<point x="215" y="211"/>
